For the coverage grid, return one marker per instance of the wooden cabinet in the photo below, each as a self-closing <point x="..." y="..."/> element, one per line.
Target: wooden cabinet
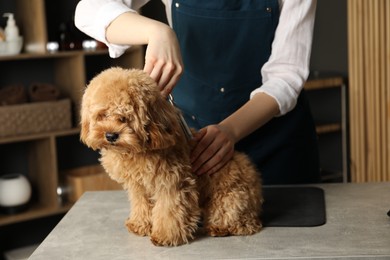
<point x="42" y="157"/>
<point x="328" y="101"/>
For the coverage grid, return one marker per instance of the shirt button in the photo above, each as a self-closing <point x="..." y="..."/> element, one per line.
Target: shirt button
<point x="269" y="9"/>
<point x="193" y="118"/>
<point x="222" y="90"/>
<point x="177" y="5"/>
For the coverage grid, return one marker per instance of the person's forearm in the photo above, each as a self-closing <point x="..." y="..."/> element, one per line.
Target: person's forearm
<point x="254" y="114"/>
<point x="133" y="29"/>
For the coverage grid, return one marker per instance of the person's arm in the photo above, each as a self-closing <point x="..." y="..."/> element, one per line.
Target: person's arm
<point x="163" y="60"/>
<point x="288" y="66"/>
<point x="283" y="78"/>
<point x="93" y="16"/>
<point x="118" y="26"/>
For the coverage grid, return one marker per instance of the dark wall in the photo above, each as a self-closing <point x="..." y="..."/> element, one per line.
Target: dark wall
<point x="330" y="44"/>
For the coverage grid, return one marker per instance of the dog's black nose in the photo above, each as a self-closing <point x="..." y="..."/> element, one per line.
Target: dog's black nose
<point x="112" y="137"/>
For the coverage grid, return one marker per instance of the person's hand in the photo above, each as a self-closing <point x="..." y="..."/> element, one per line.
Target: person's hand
<point x="163" y="61"/>
<point x="215" y="147"/>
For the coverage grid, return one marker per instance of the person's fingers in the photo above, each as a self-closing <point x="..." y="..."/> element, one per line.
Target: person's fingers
<point x="202" y="144"/>
<point x="213" y="150"/>
<point x="149" y="65"/>
<point x="203" y="160"/>
<point x="217" y="162"/>
<point x="156" y="73"/>
<point x="165" y="75"/>
<point x="170" y="76"/>
<point x="163" y="61"/>
<point x="215" y="157"/>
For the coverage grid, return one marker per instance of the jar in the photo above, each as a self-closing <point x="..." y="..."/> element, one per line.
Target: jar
<point x="15" y="192"/>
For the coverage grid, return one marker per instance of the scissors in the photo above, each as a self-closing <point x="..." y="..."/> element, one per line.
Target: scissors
<point x="183" y="123"/>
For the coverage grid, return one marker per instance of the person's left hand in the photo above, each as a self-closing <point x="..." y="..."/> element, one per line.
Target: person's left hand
<point x="215" y="147"/>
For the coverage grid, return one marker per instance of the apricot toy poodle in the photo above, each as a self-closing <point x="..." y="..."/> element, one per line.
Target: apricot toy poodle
<point x="144" y="148"/>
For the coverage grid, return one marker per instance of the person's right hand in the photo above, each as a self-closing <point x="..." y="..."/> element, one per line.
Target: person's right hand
<point x="163" y="61"/>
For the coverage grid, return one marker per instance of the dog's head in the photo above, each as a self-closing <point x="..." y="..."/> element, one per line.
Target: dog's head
<point x="124" y="110"/>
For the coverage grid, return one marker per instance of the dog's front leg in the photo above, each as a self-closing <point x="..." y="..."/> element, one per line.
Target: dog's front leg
<point x="176" y="214"/>
<point x="139" y="221"/>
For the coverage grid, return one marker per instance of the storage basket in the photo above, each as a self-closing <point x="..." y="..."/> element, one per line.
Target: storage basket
<point x="36" y="117"/>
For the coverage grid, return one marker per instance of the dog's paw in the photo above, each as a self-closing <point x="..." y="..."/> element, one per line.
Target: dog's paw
<point x="142" y="229"/>
<point x="240" y="229"/>
<point x="244" y="229"/>
<point x="171" y="237"/>
<point x="215" y="231"/>
<point x="160" y="241"/>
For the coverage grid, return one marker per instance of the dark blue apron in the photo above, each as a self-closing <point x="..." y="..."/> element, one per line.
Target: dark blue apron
<point x="224" y="45"/>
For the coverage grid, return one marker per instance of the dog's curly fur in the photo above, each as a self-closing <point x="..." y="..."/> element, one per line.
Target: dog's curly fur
<point x="143" y="147"/>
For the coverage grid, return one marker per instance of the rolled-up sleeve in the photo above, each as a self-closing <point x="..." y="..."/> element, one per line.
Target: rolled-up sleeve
<point x="94" y="16"/>
<point x="288" y="66"/>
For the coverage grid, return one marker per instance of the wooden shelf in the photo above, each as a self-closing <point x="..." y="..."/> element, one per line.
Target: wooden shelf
<point x="40" y="156"/>
<point x="23" y="138"/>
<point x="61" y="54"/>
<point x="328" y="128"/>
<point x="45" y="55"/>
<point x="33" y="212"/>
<point x="322" y="83"/>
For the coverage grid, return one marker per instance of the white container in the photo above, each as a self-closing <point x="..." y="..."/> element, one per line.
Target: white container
<point x="13" y="41"/>
<point x="15" y="190"/>
<point x="11" y="30"/>
<point x="12" y="47"/>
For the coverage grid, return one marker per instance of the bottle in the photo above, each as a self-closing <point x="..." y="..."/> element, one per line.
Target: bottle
<point x="11" y="30"/>
<point x="67" y="37"/>
<point x="14" y="42"/>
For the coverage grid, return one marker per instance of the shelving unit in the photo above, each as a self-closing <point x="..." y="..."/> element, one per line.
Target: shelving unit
<point x="42" y="173"/>
<point x="328" y="99"/>
<point x="39" y="156"/>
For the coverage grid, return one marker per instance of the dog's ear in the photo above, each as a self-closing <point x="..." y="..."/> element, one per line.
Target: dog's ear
<point x="162" y="129"/>
<point x="84" y="129"/>
<point x="84" y="121"/>
<point x="159" y="129"/>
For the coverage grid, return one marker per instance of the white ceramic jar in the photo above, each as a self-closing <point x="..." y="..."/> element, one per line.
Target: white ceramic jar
<point x="15" y="190"/>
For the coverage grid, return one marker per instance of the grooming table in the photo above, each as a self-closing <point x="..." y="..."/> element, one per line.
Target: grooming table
<point x="356" y="227"/>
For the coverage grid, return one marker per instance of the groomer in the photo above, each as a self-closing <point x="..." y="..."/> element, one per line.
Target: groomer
<point x="236" y="70"/>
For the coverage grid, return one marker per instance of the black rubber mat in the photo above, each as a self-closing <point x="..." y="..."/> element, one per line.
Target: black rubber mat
<point x="293" y="207"/>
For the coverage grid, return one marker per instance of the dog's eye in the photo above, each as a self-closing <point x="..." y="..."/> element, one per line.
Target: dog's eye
<point x="122" y="119"/>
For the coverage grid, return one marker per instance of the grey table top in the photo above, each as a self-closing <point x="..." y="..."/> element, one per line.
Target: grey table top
<point x="357" y="228"/>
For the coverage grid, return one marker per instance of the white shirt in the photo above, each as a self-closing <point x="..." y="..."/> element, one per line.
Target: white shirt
<point x="284" y="74"/>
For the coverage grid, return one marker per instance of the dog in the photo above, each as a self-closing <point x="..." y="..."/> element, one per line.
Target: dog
<point x="143" y="147"/>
